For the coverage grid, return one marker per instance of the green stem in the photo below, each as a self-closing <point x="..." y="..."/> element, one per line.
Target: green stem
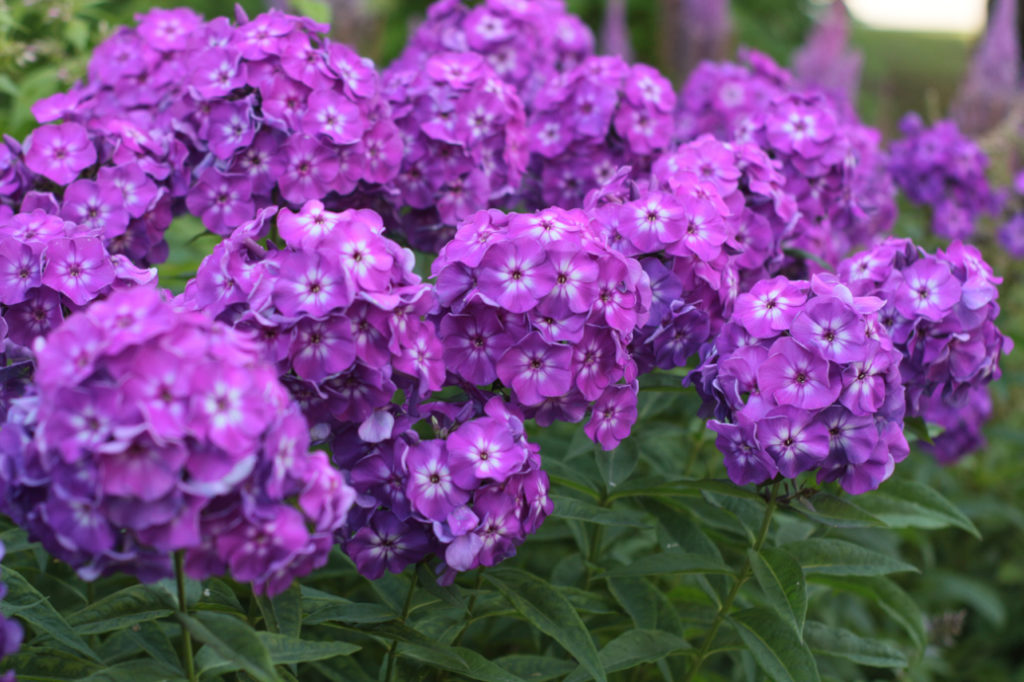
<point x="741" y="578"/>
<point x="471" y="606"/>
<point x="186" y="637"/>
<point x="389" y="675"/>
<point x="595" y="542"/>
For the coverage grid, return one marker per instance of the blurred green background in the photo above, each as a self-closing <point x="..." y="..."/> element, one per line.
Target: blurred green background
<point x="973" y="590"/>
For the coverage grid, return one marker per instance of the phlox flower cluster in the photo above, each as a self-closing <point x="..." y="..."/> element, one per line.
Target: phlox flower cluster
<point x="228" y="118"/>
<point x="719" y="98"/>
<point x="804" y="377"/>
<point x="542" y="304"/>
<point x="338" y="310"/>
<point x="527" y="42"/>
<point x="94" y="181"/>
<point x="833" y="165"/>
<point x="943" y="169"/>
<point x="152" y="431"/>
<point x="940" y="312"/>
<point x="54" y="259"/>
<point x="465" y="144"/>
<point x="708" y="224"/>
<point x="471" y="494"/>
<point x="11" y="632"/>
<point x="591" y="120"/>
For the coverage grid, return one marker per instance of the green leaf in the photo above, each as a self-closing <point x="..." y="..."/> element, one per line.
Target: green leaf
<point x="782" y="580"/>
<point x="536" y="668"/>
<point x="775" y="646"/>
<point x="839" y="557"/>
<point x="283" y="613"/>
<point x="234" y="641"/>
<point x="919" y="428"/>
<point x="909" y="504"/>
<point x="674" y="561"/>
<point x="586" y="601"/>
<point x="135" y="670"/>
<point x="317" y="10"/>
<point x="841" y="643"/>
<point x="285" y="650"/>
<point x="572" y="508"/>
<point x="632" y="648"/>
<point x="550" y="612"/>
<point x="349" y="612"/>
<point x="122" y="609"/>
<point x="889" y="597"/>
<point x="638" y="597"/>
<point x="76" y="32"/>
<point x="617" y="465"/>
<point x="458" y="660"/>
<point x="658" y="487"/>
<point x="151" y="638"/>
<point x="979" y="595"/>
<point x="836" y="512"/>
<point x="30" y="605"/>
<point x="34" y="663"/>
<point x="8" y="86"/>
<point x="449" y="594"/>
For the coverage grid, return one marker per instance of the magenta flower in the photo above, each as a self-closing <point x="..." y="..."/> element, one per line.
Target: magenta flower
<point x="745" y="460"/>
<point x="335" y="116"/>
<point x="482" y="449"/>
<point x="515" y="275"/>
<point x="387" y="543"/>
<point x="431" y="488"/>
<point x="78" y="268"/>
<point x="20" y="271"/>
<point x="59" y="152"/>
<point x="222" y="201"/>
<point x="535" y="370"/>
<point x="613" y="416"/>
<point x="792" y="375"/>
<point x="929" y="290"/>
<point x="831" y="326"/>
<point x="794" y="441"/>
<point x="770" y="306"/>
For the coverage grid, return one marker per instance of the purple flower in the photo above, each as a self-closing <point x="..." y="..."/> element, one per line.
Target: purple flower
<point x="387" y="543"/>
<point x="59" y="152"/>
<point x="515" y="275"/>
<point x="78" y="268"/>
<point x="794" y="441"/>
<point x="793" y="375"/>
<point x="770" y="306"/>
<point x="536" y="370"/>
<point x="613" y="416"/>
<point x="431" y="487"/>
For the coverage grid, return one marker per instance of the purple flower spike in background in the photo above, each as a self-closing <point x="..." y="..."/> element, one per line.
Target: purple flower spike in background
<point x="615" y="39"/>
<point x="825" y="60"/>
<point x="992" y="82"/>
<point x="166" y="432"/>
